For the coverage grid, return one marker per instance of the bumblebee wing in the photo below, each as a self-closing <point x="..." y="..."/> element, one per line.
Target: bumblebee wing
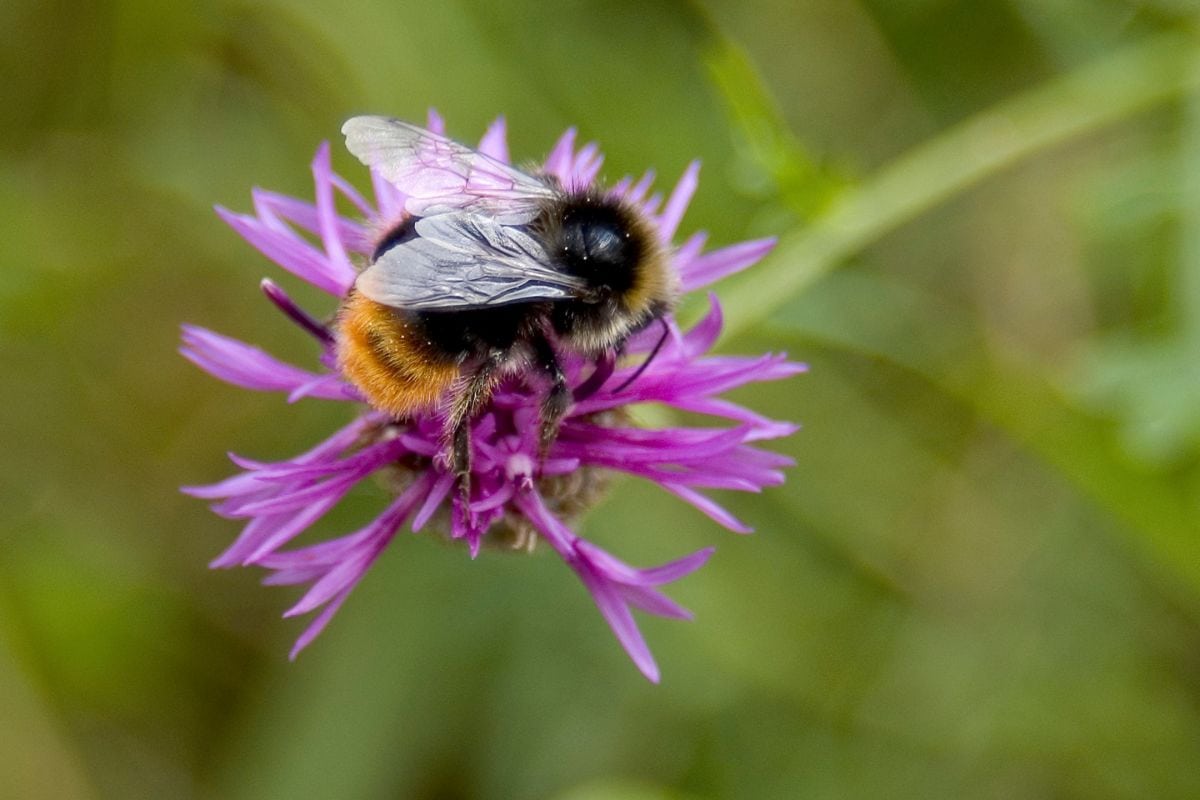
<point x="461" y="260"/>
<point x="437" y="174"/>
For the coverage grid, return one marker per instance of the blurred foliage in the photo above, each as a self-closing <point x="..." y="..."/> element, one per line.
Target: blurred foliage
<point x="980" y="581"/>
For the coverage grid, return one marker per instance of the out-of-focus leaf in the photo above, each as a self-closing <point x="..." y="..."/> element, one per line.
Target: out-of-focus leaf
<point x="1081" y="102"/>
<point x="621" y="790"/>
<point x="37" y="761"/>
<point x="771" y="148"/>
<point x="1012" y="396"/>
<point x="1152" y="382"/>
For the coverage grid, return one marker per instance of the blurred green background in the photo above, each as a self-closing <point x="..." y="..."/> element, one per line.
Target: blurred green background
<point x="981" y="580"/>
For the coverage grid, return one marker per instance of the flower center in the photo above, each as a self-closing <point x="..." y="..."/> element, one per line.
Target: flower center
<point x="505" y="465"/>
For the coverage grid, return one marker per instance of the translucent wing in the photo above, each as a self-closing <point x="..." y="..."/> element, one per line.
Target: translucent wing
<point x="463" y="260"/>
<point x="438" y="174"/>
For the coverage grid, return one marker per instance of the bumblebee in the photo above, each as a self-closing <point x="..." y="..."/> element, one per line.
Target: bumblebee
<point x="491" y="273"/>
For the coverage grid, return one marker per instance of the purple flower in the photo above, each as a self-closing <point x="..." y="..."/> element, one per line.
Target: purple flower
<point x="518" y="497"/>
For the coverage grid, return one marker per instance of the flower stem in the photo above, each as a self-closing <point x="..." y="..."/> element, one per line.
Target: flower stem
<point x="1103" y="92"/>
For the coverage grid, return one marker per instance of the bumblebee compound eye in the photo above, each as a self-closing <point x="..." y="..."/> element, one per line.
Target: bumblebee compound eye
<point x="598" y="244"/>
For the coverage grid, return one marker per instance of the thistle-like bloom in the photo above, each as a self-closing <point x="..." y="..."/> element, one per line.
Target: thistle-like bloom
<point x="518" y="495"/>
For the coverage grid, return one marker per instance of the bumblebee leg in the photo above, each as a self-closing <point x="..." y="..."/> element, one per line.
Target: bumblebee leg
<point x="468" y="401"/>
<point x="460" y="460"/>
<point x="558" y="400"/>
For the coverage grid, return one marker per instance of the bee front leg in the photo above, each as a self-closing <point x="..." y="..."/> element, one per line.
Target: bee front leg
<point x="470" y="398"/>
<point x="557" y="400"/>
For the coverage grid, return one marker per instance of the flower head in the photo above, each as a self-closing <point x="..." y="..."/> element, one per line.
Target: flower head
<point x="522" y="492"/>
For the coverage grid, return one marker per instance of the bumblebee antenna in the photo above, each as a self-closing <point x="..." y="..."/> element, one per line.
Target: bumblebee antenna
<point x="642" y="368"/>
<point x="602" y="372"/>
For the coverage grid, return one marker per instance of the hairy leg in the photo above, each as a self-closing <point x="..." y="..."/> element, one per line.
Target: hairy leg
<point x="468" y="400"/>
<point x="558" y="399"/>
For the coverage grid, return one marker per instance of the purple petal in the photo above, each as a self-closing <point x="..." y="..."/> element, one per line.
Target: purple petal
<point x="351" y="194"/>
<point x="421" y="445"/>
<point x="702" y="377"/>
<point x="654" y="602"/>
<point x="339" y="476"/>
<point x="771" y="430"/>
<point x="658" y="446"/>
<point x="689" y="250"/>
<point x="612" y="568"/>
<point x="646" y="340"/>
<point x="704" y="478"/>
<point x="650" y="206"/>
<point x="616" y="614"/>
<point x="765" y="458"/>
<point x="586" y="167"/>
<point x="299" y="523"/>
<point x="294" y="312"/>
<point x="683" y="347"/>
<point x="718" y="407"/>
<point x="436" y="495"/>
<point x="559" y="466"/>
<point x="252" y="533"/>
<point x="295" y="469"/>
<point x="558" y="163"/>
<point x="327" y="219"/>
<point x="294" y="576"/>
<point x="271" y="207"/>
<point x="251" y="482"/>
<point x="318" y="624"/>
<point x="340" y="578"/>
<point x="494" y="499"/>
<point x="744" y="468"/>
<point x="612" y="583"/>
<point x="329" y="553"/>
<point x="244" y="365"/>
<point x="339" y="440"/>
<point x="287" y="249"/>
<point x="295" y="500"/>
<point x="235" y="485"/>
<point x="717" y="264"/>
<point x="681" y="196"/>
<point x="329" y="387"/>
<point x="321" y="556"/>
<point x="637" y="194"/>
<point x="703" y="335"/>
<point x="621" y="187"/>
<point x="715" y="375"/>
<point x="708" y="507"/>
<point x="388" y="198"/>
<point x="434" y="122"/>
<point x="349" y="568"/>
<point x="495" y="141"/>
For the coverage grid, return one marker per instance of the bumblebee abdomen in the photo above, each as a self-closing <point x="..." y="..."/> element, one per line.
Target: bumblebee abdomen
<point x="386" y="354"/>
<point x="475" y="332"/>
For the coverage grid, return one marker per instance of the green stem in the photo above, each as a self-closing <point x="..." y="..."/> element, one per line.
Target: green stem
<point x="1103" y="92"/>
<point x="1189" y="257"/>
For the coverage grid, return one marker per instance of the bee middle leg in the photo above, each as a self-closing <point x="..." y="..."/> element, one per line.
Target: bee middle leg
<point x="468" y="401"/>
<point x="557" y="400"/>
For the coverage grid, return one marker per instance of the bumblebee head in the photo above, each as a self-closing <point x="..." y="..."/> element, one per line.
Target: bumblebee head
<point x="614" y="250"/>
